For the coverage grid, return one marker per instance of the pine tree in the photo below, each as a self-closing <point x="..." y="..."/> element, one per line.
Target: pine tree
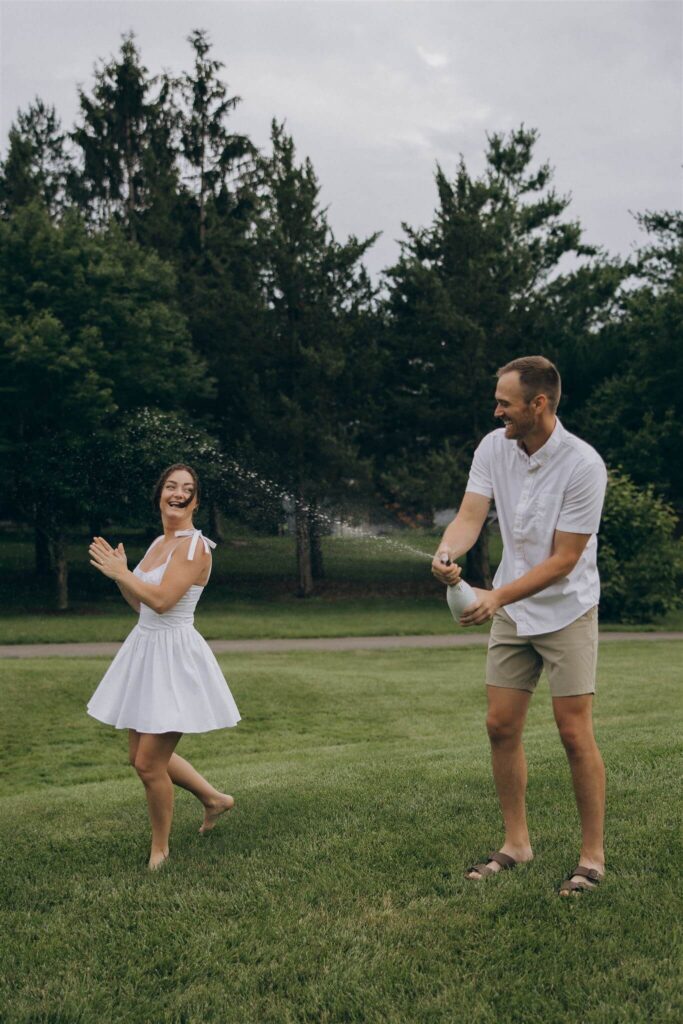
<point x="217" y="267"/>
<point x="213" y="155"/>
<point x="316" y="290"/>
<point x="119" y="136"/>
<point x="632" y="410"/>
<point x="467" y="294"/>
<point x="37" y="165"/>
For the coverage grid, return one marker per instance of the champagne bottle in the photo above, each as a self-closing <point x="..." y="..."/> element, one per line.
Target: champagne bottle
<point x="460" y="596"/>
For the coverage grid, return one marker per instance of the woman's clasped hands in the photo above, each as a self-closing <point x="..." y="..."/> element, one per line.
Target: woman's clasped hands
<point x="111" y="562"/>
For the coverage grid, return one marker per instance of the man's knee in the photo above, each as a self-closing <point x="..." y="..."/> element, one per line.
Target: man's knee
<point x="576" y="735"/>
<point x="502" y="728"/>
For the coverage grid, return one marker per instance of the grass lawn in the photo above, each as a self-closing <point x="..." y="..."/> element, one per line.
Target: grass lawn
<point x="372" y="588"/>
<point x="335" y="891"/>
<point x="241" y="620"/>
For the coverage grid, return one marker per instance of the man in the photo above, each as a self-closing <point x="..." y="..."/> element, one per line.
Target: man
<point x="549" y="488"/>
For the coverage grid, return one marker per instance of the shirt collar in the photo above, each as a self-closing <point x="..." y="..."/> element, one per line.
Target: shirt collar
<point x="546" y="451"/>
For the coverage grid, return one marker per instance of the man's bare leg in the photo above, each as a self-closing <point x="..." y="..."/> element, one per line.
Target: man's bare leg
<point x="507" y="709"/>
<point x="574" y="717"/>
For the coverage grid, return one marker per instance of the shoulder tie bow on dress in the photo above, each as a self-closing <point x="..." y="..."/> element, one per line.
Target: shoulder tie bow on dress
<point x="196" y="535"/>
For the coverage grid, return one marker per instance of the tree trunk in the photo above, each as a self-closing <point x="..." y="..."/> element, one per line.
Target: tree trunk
<point x="216" y="531"/>
<point x="478" y="570"/>
<point x="317" y="564"/>
<point x="303" y="548"/>
<point x="43" y="553"/>
<point x="61" y="572"/>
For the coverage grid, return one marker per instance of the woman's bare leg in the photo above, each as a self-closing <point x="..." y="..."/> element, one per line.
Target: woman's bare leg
<point x="133" y="743"/>
<point x="152" y="756"/>
<point x="215" y="803"/>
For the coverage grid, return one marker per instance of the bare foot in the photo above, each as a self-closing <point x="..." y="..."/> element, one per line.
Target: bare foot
<point x="213" y="811"/>
<point x="157" y="859"/>
<point x="521" y="854"/>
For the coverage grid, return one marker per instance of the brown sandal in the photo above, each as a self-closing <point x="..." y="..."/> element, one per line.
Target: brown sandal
<point x="570" y="886"/>
<point x="506" y="864"/>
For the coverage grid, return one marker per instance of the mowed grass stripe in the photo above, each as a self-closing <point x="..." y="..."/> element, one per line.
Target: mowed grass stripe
<point x="335" y="891"/>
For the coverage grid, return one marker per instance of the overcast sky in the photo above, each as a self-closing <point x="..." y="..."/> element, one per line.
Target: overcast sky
<point x="377" y="92"/>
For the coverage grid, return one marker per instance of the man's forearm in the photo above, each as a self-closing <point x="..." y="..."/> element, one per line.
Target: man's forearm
<point x="541" y="576"/>
<point x="459" y="537"/>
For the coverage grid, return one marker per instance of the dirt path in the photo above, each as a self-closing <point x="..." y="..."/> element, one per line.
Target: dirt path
<point x="337" y="643"/>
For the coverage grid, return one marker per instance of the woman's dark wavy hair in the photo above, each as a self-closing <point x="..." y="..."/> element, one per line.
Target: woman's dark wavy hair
<point x="156" y="497"/>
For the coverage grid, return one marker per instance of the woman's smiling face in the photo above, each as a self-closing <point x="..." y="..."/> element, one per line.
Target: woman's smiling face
<point x="178" y="496"/>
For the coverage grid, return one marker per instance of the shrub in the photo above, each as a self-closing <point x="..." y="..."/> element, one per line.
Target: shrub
<point x="639" y="557"/>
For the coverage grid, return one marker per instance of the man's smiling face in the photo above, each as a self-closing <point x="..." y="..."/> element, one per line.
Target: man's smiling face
<point x="518" y="415"/>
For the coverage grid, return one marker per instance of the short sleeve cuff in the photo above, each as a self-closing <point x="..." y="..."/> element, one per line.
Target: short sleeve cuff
<point x="482" y="489"/>
<point x="573" y="526"/>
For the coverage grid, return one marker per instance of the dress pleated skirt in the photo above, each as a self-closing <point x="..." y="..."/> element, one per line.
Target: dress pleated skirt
<point x="164" y="680"/>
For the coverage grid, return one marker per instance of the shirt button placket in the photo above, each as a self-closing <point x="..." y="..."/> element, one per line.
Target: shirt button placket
<point x="520" y="562"/>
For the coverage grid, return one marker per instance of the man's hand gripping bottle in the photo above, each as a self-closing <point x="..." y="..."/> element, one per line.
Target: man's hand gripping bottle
<point x="460" y="596"/>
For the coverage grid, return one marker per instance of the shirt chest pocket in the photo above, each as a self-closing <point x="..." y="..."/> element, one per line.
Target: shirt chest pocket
<point x="540" y="521"/>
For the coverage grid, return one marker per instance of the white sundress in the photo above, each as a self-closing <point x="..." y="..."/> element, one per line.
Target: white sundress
<point x="165" y="677"/>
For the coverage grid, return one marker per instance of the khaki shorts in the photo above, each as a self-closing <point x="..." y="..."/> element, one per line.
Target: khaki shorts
<point x="569" y="656"/>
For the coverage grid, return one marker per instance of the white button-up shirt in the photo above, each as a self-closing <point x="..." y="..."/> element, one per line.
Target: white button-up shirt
<point x="559" y="487"/>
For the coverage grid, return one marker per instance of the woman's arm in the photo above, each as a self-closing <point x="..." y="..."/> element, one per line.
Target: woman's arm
<point x="129" y="596"/>
<point x="181" y="574"/>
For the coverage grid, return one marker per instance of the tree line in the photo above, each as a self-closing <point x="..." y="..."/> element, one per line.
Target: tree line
<point x="167" y="291"/>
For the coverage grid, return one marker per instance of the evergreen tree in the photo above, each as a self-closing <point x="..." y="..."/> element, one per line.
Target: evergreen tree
<point x="316" y="290"/>
<point x="37" y="165"/>
<point x="160" y="222"/>
<point x="468" y="293"/>
<point x="634" y="412"/>
<point x="119" y="135"/>
<point x="89" y="328"/>
<point x="213" y="154"/>
<point x="217" y="264"/>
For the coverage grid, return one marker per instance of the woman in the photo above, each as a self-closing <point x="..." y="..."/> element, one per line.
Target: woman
<point x="165" y="680"/>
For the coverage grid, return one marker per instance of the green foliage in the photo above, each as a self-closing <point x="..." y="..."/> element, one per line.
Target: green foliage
<point x="126" y="139"/>
<point x="238" y="307"/>
<point x="212" y="154"/>
<point x="303" y="412"/>
<point x="634" y="412"/>
<point x="316" y="291"/>
<point x="111" y="304"/>
<point x="639" y="557"/>
<point x="217" y="262"/>
<point x="144" y="443"/>
<point x="88" y="328"/>
<point x="37" y="166"/>
<point x="467" y="295"/>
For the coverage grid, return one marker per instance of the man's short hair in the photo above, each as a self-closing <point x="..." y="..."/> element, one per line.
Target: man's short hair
<point x="537" y="376"/>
